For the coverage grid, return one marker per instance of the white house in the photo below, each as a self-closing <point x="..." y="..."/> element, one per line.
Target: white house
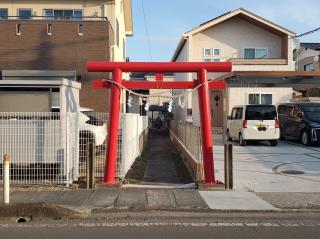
<point x="254" y="45"/>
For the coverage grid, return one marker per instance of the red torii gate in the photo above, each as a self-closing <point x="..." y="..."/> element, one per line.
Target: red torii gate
<point x="201" y="68"/>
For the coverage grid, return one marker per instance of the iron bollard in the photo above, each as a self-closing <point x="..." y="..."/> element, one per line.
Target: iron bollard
<point x="90" y="165"/>
<point x="6" y="179"/>
<point x="228" y="167"/>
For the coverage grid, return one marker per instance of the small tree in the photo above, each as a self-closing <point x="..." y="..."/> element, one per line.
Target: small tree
<point x="313" y="92"/>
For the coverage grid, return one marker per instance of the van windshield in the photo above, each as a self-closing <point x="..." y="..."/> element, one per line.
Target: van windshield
<point x="257" y="112"/>
<point x="312" y="111"/>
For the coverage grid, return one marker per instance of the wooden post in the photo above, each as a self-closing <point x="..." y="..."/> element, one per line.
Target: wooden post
<point x="91" y="165"/>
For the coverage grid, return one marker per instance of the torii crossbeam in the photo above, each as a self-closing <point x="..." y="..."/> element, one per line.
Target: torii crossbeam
<point x="201" y="68"/>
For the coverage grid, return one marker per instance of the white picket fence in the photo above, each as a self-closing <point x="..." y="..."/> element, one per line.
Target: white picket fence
<point x="50" y="148"/>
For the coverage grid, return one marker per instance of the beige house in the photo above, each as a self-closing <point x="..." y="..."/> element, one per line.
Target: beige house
<point x="252" y="44"/>
<point x="308" y="57"/>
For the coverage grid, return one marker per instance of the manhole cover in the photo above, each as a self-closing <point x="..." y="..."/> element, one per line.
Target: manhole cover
<point x="292" y="172"/>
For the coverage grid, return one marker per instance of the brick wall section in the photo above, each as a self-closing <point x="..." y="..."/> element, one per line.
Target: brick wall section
<point x="63" y="50"/>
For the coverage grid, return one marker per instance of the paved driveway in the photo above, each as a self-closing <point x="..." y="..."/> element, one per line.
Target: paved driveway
<point x="259" y="167"/>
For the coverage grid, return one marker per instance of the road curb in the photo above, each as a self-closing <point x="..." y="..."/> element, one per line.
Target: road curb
<point x="39" y="210"/>
<point x="202" y="210"/>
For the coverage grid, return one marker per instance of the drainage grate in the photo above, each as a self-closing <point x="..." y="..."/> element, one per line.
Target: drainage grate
<point x="292" y="172"/>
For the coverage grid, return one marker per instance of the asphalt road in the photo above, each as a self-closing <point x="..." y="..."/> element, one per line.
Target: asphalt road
<point x="171" y="225"/>
<point x="166" y="232"/>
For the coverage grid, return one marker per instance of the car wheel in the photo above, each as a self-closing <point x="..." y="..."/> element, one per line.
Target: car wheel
<point x="273" y="142"/>
<point x="242" y="141"/>
<point x="305" y="138"/>
<point x="228" y="136"/>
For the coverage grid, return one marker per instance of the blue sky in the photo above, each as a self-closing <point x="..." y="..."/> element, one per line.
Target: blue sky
<point x="167" y="20"/>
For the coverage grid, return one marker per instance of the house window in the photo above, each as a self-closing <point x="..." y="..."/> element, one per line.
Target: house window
<point x="210" y="54"/>
<point x="80" y="29"/>
<point x="117" y="33"/>
<point x="3" y="13"/>
<point x="255" y="53"/>
<point x="308" y="67"/>
<point x="257" y="98"/>
<point x="24" y="14"/>
<point x="261" y="53"/>
<point x="207" y="52"/>
<point x="254" y="99"/>
<point x="211" y="60"/>
<point x="48" y="13"/>
<point x="266" y="99"/>
<point x="216" y="52"/>
<point x="49" y="29"/>
<point x="77" y="14"/>
<point x="18" y="29"/>
<point x="60" y="14"/>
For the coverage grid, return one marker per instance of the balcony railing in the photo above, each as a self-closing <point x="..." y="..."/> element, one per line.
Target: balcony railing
<point x="260" y="61"/>
<point x="52" y="18"/>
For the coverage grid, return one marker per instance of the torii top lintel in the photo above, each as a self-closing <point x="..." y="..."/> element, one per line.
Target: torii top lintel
<point x="97" y="66"/>
<point x="159" y="67"/>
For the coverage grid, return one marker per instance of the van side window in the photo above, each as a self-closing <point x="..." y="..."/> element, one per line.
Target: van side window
<point x="233" y="113"/>
<point x="239" y="113"/>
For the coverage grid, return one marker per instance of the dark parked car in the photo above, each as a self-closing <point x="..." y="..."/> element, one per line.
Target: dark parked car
<point x="300" y="121"/>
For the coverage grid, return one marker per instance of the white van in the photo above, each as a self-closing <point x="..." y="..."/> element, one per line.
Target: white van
<point x="253" y="122"/>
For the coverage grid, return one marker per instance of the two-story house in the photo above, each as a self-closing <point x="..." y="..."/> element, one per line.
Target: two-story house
<point x="255" y="46"/>
<point x="64" y="35"/>
<point x="307" y="57"/>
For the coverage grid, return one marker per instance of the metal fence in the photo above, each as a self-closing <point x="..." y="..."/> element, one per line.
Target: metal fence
<point x="43" y="147"/>
<point x="131" y="127"/>
<point x="52" y="148"/>
<point x="92" y="129"/>
<point x="190" y="136"/>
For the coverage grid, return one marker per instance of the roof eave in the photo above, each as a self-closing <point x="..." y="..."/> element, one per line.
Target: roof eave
<point x="237" y="12"/>
<point x="179" y="48"/>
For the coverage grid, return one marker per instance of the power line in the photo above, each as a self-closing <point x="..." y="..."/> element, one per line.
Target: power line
<point x="146" y="29"/>
<point x="308" y="33"/>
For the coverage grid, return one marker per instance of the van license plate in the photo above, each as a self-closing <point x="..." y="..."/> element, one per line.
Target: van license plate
<point x="261" y="127"/>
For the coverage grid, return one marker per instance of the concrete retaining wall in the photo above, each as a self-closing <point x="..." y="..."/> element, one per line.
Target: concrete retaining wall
<point x="194" y="167"/>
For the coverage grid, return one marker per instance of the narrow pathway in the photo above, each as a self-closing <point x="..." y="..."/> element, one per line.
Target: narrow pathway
<point x="162" y="163"/>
